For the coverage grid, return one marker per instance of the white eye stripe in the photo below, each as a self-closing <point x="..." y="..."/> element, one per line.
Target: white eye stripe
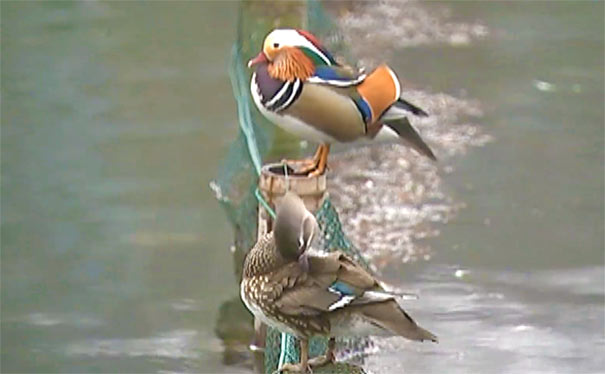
<point x="302" y="241"/>
<point x="311" y="236"/>
<point x="293" y="38"/>
<point x="319" y="53"/>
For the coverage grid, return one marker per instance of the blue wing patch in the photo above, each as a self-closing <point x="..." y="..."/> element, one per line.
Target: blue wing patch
<point x="327" y="73"/>
<point x="364" y="108"/>
<point x="342" y="288"/>
<point x="345" y="293"/>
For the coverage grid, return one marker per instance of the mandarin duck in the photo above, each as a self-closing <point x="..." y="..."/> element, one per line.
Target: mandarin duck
<point x="306" y="294"/>
<point x="299" y="86"/>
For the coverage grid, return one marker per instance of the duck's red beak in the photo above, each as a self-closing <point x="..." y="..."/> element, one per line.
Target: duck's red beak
<point x="258" y="59"/>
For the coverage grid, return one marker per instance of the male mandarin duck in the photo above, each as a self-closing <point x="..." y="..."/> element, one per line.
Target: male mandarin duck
<point x="299" y="86"/>
<point x="307" y="294"/>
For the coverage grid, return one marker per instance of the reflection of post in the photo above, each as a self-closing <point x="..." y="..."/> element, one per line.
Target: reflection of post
<point x="274" y="184"/>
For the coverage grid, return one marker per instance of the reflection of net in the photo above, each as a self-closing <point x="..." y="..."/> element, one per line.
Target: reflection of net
<point x="236" y="183"/>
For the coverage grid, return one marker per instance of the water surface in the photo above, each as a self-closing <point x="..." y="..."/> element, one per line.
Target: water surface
<point x="114" y="251"/>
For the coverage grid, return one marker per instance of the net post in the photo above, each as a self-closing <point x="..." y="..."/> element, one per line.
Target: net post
<point x="274" y="182"/>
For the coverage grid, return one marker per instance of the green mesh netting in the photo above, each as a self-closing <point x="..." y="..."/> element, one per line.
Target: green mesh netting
<point x="259" y="140"/>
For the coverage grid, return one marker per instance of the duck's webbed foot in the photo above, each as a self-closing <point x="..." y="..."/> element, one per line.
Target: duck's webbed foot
<point x="296" y="368"/>
<point x="303" y="366"/>
<point x="319" y="361"/>
<point x="328" y="358"/>
<point x="300" y="167"/>
<point x="311" y="167"/>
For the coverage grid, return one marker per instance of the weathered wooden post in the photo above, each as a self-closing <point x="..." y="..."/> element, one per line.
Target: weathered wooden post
<point x="274" y="183"/>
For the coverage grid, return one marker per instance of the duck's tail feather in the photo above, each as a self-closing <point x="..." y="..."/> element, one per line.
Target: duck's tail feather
<point x="406" y="105"/>
<point x="390" y="316"/>
<point x="406" y="131"/>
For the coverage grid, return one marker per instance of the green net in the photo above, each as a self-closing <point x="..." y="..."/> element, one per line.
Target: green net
<point x="257" y="141"/>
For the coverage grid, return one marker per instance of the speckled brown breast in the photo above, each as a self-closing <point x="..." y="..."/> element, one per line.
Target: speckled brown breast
<point x="262" y="295"/>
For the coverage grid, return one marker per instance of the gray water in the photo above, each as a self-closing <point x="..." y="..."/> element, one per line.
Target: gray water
<point x="115" y="254"/>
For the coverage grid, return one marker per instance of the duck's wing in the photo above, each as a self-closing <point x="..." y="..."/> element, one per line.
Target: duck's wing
<point x="377" y="95"/>
<point x="337" y="76"/>
<point x="334" y="283"/>
<point x="331" y="282"/>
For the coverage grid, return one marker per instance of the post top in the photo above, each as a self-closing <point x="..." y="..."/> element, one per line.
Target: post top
<point x="275" y="181"/>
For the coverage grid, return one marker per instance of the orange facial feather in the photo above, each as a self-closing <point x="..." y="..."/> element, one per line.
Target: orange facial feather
<point x="291" y="63"/>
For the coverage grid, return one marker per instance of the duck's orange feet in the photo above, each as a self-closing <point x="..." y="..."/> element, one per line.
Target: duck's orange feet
<point x="311" y="167"/>
<point x="303" y="366"/>
<point x="301" y="167"/>
<point x="295" y="368"/>
<point x="328" y="358"/>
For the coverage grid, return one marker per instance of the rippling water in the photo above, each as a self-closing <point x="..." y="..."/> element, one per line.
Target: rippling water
<point x="114" y="118"/>
<point x="509" y="237"/>
<point x="115" y="254"/>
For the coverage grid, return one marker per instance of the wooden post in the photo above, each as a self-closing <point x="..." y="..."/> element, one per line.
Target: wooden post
<point x="274" y="183"/>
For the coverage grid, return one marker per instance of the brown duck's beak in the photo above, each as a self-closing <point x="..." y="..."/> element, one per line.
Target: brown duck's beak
<point x="258" y="59"/>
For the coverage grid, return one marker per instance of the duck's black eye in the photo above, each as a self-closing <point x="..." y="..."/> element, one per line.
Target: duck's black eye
<point x="275" y="45"/>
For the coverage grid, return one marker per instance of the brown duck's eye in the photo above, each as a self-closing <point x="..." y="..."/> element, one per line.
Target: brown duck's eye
<point x="275" y="45"/>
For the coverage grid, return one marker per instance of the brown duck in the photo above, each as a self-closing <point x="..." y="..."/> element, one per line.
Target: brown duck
<point x="307" y="294"/>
